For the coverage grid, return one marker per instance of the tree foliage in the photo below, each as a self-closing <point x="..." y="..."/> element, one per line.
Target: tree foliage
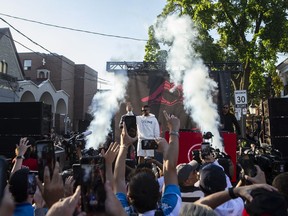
<point x="250" y="31"/>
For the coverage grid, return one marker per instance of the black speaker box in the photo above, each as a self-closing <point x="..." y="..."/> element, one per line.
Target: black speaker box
<point x="25" y="119"/>
<point x="281" y="144"/>
<point x="278" y="126"/>
<point x="278" y="107"/>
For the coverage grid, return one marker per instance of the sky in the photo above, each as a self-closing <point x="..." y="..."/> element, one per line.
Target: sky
<point x="129" y="18"/>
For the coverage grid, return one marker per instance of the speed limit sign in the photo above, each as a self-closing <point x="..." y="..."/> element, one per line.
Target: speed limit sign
<point x="240" y="98"/>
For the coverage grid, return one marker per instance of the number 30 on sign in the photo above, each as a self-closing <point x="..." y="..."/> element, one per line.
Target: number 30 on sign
<point x="240" y="98"/>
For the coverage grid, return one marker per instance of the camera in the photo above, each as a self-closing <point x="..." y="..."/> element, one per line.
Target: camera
<point x="206" y="150"/>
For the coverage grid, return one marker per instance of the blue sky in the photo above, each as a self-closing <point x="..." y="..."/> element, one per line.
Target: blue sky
<point x="129" y="18"/>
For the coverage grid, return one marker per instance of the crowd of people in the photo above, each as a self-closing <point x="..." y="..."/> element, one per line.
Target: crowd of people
<point x="152" y="187"/>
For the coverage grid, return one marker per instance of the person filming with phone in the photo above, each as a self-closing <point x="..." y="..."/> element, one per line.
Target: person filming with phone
<point x="147" y="129"/>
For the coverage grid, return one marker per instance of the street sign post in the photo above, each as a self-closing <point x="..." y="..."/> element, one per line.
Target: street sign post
<point x="241" y="102"/>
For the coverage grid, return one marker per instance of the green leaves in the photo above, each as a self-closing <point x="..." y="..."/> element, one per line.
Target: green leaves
<point x="251" y="32"/>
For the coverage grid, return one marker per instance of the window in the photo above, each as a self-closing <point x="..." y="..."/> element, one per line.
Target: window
<point x="3" y="66"/>
<point x="27" y="64"/>
<point x="43" y="74"/>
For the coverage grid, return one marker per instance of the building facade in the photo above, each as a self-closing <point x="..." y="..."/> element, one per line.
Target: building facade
<point x="283" y="72"/>
<point x="77" y="80"/>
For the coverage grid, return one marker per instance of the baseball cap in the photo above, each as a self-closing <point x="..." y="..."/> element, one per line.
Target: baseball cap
<point x="184" y="170"/>
<point x="212" y="179"/>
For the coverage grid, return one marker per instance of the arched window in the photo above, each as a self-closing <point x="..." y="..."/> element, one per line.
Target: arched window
<point x="3" y="66"/>
<point x="41" y="75"/>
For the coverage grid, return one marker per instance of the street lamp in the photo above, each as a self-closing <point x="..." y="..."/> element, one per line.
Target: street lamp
<point x="252" y="111"/>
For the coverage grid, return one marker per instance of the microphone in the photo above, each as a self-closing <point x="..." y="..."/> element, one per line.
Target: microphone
<point x="84" y="134"/>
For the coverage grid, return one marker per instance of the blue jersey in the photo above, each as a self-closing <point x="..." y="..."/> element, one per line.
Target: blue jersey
<point x="170" y="202"/>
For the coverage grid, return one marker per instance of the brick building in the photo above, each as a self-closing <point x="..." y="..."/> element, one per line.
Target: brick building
<point x="78" y="80"/>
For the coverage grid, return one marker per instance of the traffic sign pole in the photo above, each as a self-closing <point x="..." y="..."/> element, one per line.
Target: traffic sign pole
<point x="241" y="102"/>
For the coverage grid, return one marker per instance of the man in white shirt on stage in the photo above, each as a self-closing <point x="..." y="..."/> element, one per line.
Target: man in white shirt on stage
<point x="147" y="129"/>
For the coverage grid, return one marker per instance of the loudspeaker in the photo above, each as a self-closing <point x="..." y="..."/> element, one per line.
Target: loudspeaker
<point x="25" y="119"/>
<point x="278" y="117"/>
<point x="281" y="144"/>
<point x="278" y="126"/>
<point x="278" y="107"/>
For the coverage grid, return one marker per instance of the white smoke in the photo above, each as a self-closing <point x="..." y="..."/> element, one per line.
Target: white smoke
<point x="103" y="108"/>
<point x="186" y="68"/>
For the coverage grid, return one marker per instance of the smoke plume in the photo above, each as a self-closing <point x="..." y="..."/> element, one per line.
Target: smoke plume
<point x="103" y="108"/>
<point x="186" y="68"/>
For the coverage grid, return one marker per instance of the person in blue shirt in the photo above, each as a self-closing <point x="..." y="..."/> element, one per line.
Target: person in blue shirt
<point x="142" y="195"/>
<point x="18" y="186"/>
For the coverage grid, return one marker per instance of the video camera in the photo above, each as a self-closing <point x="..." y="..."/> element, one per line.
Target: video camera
<point x="78" y="139"/>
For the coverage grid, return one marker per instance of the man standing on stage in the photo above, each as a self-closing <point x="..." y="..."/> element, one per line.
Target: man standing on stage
<point x="131" y="150"/>
<point x="229" y="121"/>
<point x="147" y="129"/>
<point x="129" y="109"/>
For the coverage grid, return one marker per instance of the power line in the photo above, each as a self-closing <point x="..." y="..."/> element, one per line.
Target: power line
<point x="57" y="56"/>
<point x="73" y="29"/>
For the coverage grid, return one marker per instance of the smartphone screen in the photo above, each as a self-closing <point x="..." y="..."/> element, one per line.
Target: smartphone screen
<point x="149" y="144"/>
<point x="32" y="184"/>
<point x="93" y="193"/>
<point x="130" y="122"/>
<point x="45" y="156"/>
<point x="77" y="174"/>
<point x="3" y="176"/>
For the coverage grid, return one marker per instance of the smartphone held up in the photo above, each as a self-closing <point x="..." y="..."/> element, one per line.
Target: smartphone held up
<point x="131" y="126"/>
<point x="45" y="156"/>
<point x="93" y="193"/>
<point x="149" y="144"/>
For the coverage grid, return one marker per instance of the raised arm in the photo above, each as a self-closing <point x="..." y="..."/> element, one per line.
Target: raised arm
<point x="20" y="151"/>
<point x="216" y="199"/>
<point x="110" y="156"/>
<point x="119" y="171"/>
<point x="170" y="154"/>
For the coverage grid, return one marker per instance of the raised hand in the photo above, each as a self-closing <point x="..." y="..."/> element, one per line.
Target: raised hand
<point x="66" y="206"/>
<point x="126" y="140"/>
<point x="173" y="122"/>
<point x="53" y="189"/>
<point x="259" y="178"/>
<point x="22" y="147"/>
<point x="68" y="186"/>
<point x="111" y="153"/>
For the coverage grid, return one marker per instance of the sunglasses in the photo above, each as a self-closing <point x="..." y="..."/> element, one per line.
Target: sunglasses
<point x="225" y="108"/>
<point x="144" y="110"/>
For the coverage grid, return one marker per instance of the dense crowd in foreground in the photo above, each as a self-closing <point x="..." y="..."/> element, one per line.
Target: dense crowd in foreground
<point x="142" y="192"/>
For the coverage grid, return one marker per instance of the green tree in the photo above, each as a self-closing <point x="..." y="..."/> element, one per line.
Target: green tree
<point x="250" y="31"/>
